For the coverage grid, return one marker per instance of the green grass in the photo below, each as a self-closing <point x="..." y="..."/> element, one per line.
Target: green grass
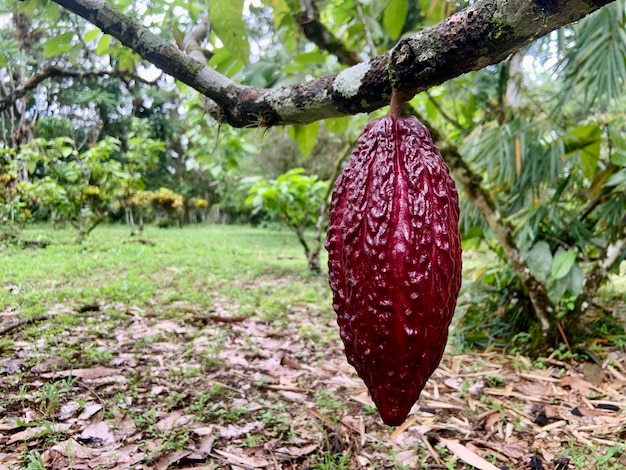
<point x="183" y="274"/>
<point x="199" y="266"/>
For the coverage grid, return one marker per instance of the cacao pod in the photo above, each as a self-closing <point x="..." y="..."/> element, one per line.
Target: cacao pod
<point x="394" y="260"/>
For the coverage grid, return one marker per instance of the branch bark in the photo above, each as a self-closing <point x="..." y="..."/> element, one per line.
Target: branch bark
<point x="482" y="34"/>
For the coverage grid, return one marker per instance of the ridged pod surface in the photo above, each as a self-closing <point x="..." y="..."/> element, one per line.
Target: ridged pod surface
<point x="394" y="260"/>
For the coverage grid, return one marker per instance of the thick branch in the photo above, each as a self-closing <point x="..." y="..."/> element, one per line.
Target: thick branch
<point x="482" y="34"/>
<point x="57" y="72"/>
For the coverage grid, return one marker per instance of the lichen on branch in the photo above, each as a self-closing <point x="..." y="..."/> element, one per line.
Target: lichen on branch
<point x="482" y="34"/>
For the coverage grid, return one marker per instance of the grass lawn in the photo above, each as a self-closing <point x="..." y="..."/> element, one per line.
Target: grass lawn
<point x="213" y="347"/>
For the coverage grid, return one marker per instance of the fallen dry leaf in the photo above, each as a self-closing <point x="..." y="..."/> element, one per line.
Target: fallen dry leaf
<point x="175" y="420"/>
<point x="467" y="455"/>
<point x="97" y="434"/>
<point x="31" y="433"/>
<point x="296" y="452"/>
<point x="89" y="411"/>
<point x="239" y="459"/>
<point x="170" y="458"/>
<point x="89" y="374"/>
<point x="69" y="449"/>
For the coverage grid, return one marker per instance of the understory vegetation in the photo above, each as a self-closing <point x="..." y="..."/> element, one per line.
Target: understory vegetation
<point x="214" y="346"/>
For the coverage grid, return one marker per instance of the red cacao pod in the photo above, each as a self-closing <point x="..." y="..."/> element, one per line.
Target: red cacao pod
<point x="394" y="260"/>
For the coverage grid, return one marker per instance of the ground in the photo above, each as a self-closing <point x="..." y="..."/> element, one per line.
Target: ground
<point x="212" y="347"/>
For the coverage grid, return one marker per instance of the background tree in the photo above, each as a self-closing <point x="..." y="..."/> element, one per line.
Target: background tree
<point x="294" y="199"/>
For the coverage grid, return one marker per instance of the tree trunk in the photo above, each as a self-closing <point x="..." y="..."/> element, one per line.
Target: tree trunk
<point x="313" y="259"/>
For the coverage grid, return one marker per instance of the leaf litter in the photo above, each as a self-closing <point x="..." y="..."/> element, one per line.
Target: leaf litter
<point x="190" y="389"/>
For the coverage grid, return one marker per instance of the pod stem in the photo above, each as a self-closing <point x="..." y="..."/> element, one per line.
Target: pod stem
<point x="398" y="99"/>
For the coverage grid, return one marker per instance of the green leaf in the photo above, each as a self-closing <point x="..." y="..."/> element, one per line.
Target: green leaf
<point x="619" y="159"/>
<point x="586" y="140"/>
<point x="227" y="23"/>
<point x="305" y="137"/>
<point x="58" y="44"/>
<point x="337" y="125"/>
<point x="126" y="61"/>
<point x="310" y="58"/>
<point x="31" y="165"/>
<point x="395" y="17"/>
<point x="556" y="290"/>
<point x="225" y="63"/>
<point x="92" y="34"/>
<point x="3" y="60"/>
<point x="562" y="264"/>
<point x="28" y="7"/>
<point x="617" y="178"/>
<point x="53" y="11"/>
<point x="103" y="45"/>
<point x="576" y="278"/>
<point x="260" y="74"/>
<point x="434" y="11"/>
<point x="539" y="260"/>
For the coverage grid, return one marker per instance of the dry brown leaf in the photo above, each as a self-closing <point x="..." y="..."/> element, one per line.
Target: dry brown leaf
<point x="165" y="461"/>
<point x="123" y="458"/>
<point x="407" y="458"/>
<point x="98" y="434"/>
<point x="203" y="431"/>
<point x="467" y="455"/>
<point x="296" y="452"/>
<point x="294" y="397"/>
<point x="9" y="426"/>
<point x="89" y="374"/>
<point x="576" y="384"/>
<point x="175" y="420"/>
<point x="203" y="449"/>
<point x="247" y="461"/>
<point x="232" y="431"/>
<point x="124" y="426"/>
<point x="288" y="361"/>
<point x="89" y="411"/>
<point x="68" y="410"/>
<point x="593" y="373"/>
<point x="513" y="451"/>
<point x="29" y="434"/>
<point x="69" y="449"/>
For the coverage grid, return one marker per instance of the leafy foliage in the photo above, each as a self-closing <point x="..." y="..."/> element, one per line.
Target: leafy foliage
<point x="77" y="187"/>
<point x="293" y="199"/>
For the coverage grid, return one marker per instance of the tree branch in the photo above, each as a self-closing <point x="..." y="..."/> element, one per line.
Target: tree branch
<point x="598" y="275"/>
<point x="192" y="42"/>
<point x="482" y="34"/>
<point x="56" y="72"/>
<point x="316" y="32"/>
